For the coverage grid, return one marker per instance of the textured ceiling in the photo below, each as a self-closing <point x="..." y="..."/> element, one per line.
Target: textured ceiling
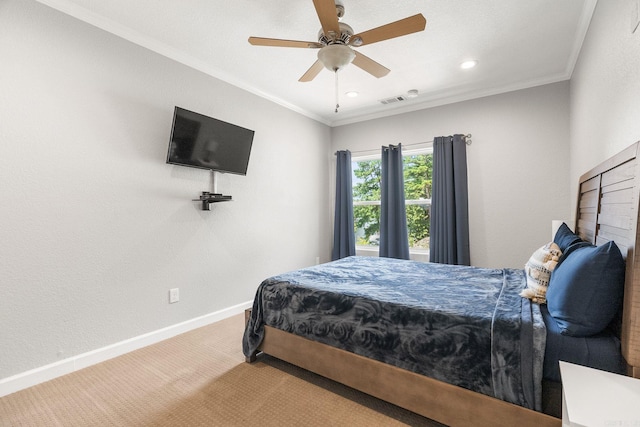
<point x="517" y="44"/>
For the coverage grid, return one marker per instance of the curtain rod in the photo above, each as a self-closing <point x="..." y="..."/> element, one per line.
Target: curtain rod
<point x="467" y="140"/>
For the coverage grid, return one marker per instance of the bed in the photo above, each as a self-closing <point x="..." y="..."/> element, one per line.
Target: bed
<point x="464" y="352"/>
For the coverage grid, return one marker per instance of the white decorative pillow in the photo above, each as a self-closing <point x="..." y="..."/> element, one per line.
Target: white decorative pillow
<point x="538" y="271"/>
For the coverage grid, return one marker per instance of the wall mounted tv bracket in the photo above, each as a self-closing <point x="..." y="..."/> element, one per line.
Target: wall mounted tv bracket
<point x="207" y="198"/>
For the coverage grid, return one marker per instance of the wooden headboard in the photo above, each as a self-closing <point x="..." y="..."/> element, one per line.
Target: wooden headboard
<point x="608" y="209"/>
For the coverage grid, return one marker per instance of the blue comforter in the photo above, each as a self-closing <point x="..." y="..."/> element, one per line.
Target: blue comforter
<point x="466" y="326"/>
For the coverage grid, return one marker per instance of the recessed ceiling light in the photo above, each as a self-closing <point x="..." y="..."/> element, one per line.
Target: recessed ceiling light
<point x="352" y="94"/>
<point x="468" y="64"/>
<point x="413" y="93"/>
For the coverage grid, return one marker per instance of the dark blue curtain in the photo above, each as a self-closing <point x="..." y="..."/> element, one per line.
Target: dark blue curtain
<point x="449" y="229"/>
<point x="394" y="239"/>
<point x="344" y="239"/>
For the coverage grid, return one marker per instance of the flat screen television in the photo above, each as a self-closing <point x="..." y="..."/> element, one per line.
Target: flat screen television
<point x="203" y="142"/>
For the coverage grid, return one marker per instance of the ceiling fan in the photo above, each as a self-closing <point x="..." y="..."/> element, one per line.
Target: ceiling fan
<point x="336" y="39"/>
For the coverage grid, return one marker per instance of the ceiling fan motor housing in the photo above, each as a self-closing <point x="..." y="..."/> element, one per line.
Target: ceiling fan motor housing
<point x="343" y="38"/>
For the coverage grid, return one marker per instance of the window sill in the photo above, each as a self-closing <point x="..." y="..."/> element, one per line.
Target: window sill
<point x="414" y="254"/>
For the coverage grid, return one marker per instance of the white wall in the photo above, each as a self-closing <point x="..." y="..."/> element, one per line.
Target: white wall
<point x="96" y="227"/>
<point x="605" y="88"/>
<point x="517" y="164"/>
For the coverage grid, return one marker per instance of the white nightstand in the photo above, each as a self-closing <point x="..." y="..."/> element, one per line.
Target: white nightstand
<point x="595" y="398"/>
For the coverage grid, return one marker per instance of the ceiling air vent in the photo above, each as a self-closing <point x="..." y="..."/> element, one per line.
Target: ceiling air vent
<point x="393" y="99"/>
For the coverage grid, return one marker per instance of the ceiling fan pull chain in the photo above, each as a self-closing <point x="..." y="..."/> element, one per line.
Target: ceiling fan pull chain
<point x="337" y="104"/>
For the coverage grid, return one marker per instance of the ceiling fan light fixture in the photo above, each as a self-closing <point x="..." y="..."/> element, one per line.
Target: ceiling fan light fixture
<point x="336" y="56"/>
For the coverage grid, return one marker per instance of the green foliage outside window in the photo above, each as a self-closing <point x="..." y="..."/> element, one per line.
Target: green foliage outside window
<point x="418" y="170"/>
<point x="367" y="188"/>
<point x="417" y="185"/>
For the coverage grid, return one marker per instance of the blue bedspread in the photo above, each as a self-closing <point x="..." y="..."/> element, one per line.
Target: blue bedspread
<point x="466" y="326"/>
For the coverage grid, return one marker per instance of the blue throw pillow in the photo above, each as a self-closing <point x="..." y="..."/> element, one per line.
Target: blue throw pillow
<point x="565" y="237"/>
<point x="586" y="288"/>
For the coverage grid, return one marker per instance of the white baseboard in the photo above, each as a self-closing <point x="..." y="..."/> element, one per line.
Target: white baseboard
<point x="48" y="372"/>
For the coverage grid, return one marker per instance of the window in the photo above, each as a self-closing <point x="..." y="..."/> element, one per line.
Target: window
<point x="418" y="166"/>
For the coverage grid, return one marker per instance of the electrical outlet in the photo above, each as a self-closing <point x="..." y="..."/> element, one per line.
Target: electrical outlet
<point x="174" y="295"/>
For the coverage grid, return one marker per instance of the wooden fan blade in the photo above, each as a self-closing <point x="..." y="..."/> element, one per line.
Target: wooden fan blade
<point x="405" y="26"/>
<point x="262" y="41"/>
<point x="370" y="66"/>
<point x="312" y="72"/>
<point x="326" y="10"/>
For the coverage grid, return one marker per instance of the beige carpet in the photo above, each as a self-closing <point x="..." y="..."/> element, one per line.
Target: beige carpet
<point x="198" y="379"/>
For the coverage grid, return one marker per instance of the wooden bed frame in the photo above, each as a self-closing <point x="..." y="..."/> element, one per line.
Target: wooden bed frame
<point x="607" y="210"/>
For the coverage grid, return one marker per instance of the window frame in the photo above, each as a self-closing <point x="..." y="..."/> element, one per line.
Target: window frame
<point x="370" y="249"/>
